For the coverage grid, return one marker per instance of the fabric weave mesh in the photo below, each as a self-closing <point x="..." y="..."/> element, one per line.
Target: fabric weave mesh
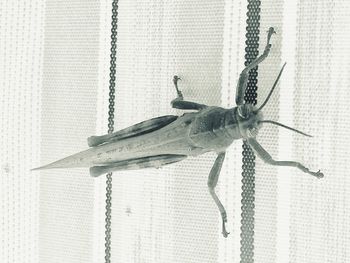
<point x="54" y="93"/>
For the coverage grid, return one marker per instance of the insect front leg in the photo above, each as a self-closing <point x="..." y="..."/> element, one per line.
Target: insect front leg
<point x="180" y="103"/>
<point x="266" y="157"/>
<point x="243" y="77"/>
<point x="212" y="182"/>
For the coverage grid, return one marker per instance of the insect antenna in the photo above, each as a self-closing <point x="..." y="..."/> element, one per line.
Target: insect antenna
<point x="272" y="89"/>
<point x="285" y="126"/>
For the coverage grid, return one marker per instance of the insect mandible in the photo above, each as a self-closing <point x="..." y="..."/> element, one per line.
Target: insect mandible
<point x="168" y="139"/>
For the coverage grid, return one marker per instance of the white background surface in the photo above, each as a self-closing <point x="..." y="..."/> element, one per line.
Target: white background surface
<point x="54" y="70"/>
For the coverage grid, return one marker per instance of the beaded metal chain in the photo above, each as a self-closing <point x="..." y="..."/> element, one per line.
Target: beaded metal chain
<point x="248" y="167"/>
<point x="111" y="128"/>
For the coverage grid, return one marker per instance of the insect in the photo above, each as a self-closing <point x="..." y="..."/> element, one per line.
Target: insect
<point x="168" y="139"/>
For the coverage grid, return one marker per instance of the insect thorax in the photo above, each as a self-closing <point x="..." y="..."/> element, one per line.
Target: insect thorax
<point x="210" y="130"/>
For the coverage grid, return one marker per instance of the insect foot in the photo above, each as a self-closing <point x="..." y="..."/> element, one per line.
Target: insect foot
<point x="224" y="220"/>
<point x="175" y="79"/>
<point x="179" y="93"/>
<point x="224" y="231"/>
<point x="318" y="174"/>
<point x="270" y="32"/>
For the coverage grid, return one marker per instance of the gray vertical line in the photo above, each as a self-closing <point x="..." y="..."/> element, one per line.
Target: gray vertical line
<point x="248" y="167"/>
<point x="112" y="76"/>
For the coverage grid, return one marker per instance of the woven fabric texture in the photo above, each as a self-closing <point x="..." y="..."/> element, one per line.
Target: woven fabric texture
<point x="70" y="78"/>
<point x="21" y="49"/>
<point x="319" y="229"/>
<point x="54" y="94"/>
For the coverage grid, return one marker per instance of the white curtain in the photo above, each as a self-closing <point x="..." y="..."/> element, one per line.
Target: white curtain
<point x="54" y="94"/>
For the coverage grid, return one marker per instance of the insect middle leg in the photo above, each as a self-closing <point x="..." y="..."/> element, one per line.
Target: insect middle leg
<point x="180" y="103"/>
<point x="243" y="77"/>
<point x="212" y="182"/>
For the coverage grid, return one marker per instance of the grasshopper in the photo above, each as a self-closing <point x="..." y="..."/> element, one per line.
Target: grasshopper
<point x="168" y="139"/>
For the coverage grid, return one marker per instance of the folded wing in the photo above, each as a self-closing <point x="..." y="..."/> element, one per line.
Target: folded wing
<point x="134" y="130"/>
<point x="138" y="163"/>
